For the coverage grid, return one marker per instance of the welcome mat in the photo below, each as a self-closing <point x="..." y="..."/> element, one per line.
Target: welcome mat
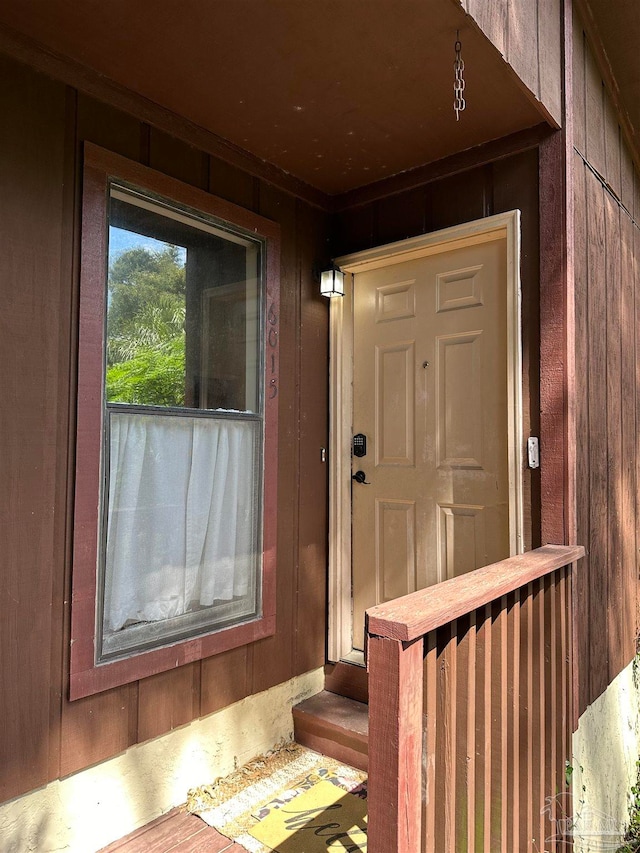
<point x="291" y="800"/>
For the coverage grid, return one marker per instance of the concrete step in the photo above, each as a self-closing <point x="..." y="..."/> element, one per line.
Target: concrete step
<point x="335" y="726"/>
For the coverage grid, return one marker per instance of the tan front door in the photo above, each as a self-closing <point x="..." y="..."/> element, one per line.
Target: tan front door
<point x="430" y="394"/>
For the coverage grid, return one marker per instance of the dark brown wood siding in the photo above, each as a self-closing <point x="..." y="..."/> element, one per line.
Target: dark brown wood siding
<point x="606" y="243"/>
<point x="42" y="735"/>
<point x="507" y="184"/>
<point x="529" y="36"/>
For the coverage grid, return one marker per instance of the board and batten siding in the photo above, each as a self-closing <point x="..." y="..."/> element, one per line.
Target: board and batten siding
<point x="528" y="34"/>
<point x="43" y="736"/>
<point x="606" y="243"/>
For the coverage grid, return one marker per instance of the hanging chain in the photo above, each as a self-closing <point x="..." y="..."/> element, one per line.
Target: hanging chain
<point x="459" y="102"/>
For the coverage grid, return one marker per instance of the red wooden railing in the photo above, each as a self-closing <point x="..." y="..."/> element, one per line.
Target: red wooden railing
<point x="470" y="711"/>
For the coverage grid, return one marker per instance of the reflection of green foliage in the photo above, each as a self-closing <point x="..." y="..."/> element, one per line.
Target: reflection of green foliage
<point x="151" y="376"/>
<point x="145" y="328"/>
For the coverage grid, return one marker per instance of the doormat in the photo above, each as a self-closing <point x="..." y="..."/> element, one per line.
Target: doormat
<point x="291" y="800"/>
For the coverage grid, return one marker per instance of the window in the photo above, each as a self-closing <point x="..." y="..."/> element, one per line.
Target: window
<point x="174" y="547"/>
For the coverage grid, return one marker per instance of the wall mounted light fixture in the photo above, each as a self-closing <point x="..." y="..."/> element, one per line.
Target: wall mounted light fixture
<point x="332" y="282"/>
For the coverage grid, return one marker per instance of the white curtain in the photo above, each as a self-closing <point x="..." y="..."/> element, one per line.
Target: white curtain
<point x="181" y="528"/>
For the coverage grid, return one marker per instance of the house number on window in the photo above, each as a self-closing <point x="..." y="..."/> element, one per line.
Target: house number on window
<point x="273" y="340"/>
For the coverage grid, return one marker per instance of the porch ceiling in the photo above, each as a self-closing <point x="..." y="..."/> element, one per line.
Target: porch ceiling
<point x="339" y="93"/>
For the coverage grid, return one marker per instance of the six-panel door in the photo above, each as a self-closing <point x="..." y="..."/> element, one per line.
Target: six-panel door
<point x="430" y="394"/>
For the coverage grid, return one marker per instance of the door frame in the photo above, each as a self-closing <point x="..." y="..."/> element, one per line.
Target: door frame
<point x="502" y="226"/>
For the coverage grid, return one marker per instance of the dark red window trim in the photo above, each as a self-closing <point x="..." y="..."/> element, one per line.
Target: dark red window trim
<point x="87" y="677"/>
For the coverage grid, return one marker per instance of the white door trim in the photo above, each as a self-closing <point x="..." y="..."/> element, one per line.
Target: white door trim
<point x="503" y="225"/>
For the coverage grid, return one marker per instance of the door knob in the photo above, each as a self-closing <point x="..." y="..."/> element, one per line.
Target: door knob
<point x="360" y="477"/>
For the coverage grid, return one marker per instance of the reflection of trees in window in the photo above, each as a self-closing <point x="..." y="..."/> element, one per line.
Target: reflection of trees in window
<point x="146" y="328"/>
<point x="182" y="311"/>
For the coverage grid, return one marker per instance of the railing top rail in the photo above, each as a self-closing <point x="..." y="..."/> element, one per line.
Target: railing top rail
<point x="414" y="615"/>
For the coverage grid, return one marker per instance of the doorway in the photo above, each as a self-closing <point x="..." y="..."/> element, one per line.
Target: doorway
<point x="426" y="418"/>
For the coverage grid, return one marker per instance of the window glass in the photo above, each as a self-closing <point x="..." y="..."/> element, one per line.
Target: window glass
<point x="182" y="310"/>
<point x="182" y="474"/>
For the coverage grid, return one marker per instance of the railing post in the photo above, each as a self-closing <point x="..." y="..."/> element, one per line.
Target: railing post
<point x="395" y="745"/>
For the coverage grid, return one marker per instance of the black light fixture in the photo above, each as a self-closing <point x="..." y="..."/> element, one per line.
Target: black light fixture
<point x="332" y="282"/>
